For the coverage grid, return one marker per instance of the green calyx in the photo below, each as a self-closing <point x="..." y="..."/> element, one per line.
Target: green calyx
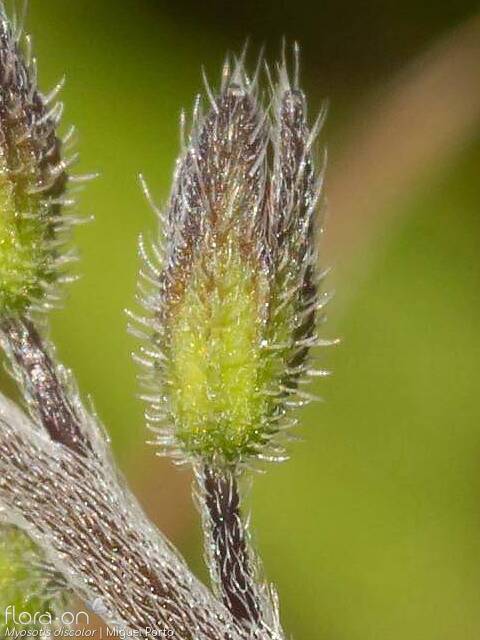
<point x="233" y="301"/>
<point x="33" y="181"/>
<point x="26" y="260"/>
<point x="217" y="367"/>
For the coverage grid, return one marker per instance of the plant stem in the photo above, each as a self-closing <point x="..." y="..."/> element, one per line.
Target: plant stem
<point x="96" y="535"/>
<point x="227" y="546"/>
<point x="38" y="376"/>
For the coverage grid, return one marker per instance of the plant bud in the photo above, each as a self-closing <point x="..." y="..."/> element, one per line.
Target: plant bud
<point x="233" y="301"/>
<point x="33" y="181"/>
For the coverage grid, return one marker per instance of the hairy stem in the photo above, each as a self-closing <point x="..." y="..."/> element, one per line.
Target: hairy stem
<point x="38" y="376"/>
<point x="232" y="563"/>
<point x="94" y="533"/>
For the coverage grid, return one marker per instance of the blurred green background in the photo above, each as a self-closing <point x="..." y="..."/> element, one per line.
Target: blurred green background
<point x="372" y="530"/>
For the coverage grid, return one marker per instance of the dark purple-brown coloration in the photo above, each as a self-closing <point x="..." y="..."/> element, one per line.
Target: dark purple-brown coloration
<point x="47" y="397"/>
<point x="230" y="547"/>
<point x="219" y="188"/>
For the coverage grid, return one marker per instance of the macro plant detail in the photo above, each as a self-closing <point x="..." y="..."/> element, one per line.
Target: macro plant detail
<point x="233" y="294"/>
<point x="29" y="588"/>
<point x="232" y="298"/>
<point x="33" y="182"/>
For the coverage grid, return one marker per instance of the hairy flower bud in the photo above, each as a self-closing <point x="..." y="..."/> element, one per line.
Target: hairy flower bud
<point x="33" y="180"/>
<point x="233" y="301"/>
